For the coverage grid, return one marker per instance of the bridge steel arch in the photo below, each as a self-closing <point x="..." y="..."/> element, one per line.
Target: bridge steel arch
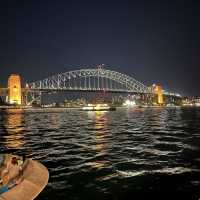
<point x="90" y="80"/>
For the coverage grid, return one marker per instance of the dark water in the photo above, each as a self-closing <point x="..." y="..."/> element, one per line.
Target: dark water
<point x="124" y="154"/>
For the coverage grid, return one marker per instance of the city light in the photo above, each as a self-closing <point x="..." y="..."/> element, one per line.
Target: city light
<point x="129" y="103"/>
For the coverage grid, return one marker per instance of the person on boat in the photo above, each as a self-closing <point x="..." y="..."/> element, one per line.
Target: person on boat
<point x="14" y="169"/>
<point x="4" y="159"/>
<point x="11" y="175"/>
<point x="4" y="168"/>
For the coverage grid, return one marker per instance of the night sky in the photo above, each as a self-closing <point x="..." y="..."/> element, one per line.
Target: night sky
<point x="153" y="41"/>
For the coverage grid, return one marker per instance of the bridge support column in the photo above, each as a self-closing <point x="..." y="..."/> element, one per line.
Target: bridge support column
<point x="14" y="89"/>
<point x="159" y="92"/>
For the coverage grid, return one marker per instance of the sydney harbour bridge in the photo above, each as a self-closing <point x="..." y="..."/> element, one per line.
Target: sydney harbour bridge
<point x="88" y="80"/>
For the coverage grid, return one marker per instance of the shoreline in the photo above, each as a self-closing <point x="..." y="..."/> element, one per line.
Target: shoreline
<point x="26" y="109"/>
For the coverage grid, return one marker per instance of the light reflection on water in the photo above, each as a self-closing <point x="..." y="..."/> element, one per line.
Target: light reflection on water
<point x="108" y="155"/>
<point x="100" y="128"/>
<point x="14" y="127"/>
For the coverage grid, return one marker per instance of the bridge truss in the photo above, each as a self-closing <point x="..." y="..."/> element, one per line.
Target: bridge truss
<point x="90" y="80"/>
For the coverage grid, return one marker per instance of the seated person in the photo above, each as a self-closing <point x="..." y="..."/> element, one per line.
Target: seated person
<point x="11" y="175"/>
<point x="11" y="170"/>
<point x="14" y="169"/>
<point x="4" y="167"/>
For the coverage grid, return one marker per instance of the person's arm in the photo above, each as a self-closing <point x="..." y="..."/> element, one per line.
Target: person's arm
<point x="4" y="172"/>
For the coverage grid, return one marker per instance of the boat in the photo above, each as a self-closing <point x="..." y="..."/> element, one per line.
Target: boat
<point x="34" y="179"/>
<point x="98" y="107"/>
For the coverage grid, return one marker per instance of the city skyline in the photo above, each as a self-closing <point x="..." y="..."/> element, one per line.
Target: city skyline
<point x="153" y="42"/>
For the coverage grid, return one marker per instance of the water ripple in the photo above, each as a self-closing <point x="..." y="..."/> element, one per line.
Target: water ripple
<point x="107" y="155"/>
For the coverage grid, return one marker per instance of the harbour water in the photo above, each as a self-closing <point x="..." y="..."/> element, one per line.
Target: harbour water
<point x="137" y="153"/>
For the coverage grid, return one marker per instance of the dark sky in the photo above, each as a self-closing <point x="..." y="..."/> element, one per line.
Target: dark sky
<point x="153" y="41"/>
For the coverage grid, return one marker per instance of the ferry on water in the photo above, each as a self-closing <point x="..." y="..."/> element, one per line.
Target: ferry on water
<point x="98" y="107"/>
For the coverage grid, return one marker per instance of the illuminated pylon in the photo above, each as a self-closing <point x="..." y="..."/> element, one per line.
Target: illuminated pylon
<point x="14" y="89"/>
<point x="158" y="90"/>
